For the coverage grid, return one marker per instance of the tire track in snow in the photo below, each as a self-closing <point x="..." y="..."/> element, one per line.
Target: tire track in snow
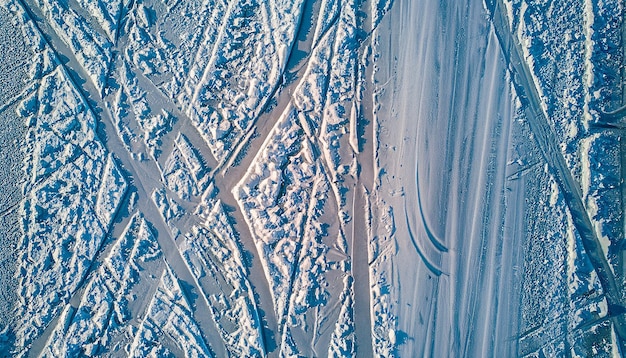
<point x="360" y="272"/>
<point x="522" y="80"/>
<point x="362" y="200"/>
<point x="435" y="241"/>
<point x="623" y="148"/>
<point x="144" y="176"/>
<point x="37" y="344"/>
<point x="448" y="104"/>
<point x="433" y="238"/>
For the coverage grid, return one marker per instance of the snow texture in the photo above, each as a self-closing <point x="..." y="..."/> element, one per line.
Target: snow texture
<point x="207" y="178"/>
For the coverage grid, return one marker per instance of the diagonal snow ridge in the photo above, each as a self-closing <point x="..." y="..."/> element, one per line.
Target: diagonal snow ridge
<point x="545" y="123"/>
<point x="110" y="194"/>
<point x="169" y="326"/>
<point x="72" y="196"/>
<point x="282" y="197"/>
<point x="95" y="325"/>
<point x="171" y="211"/>
<point x="317" y="299"/>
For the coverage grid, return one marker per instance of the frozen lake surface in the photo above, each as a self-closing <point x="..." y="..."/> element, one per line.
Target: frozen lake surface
<point x="359" y="178"/>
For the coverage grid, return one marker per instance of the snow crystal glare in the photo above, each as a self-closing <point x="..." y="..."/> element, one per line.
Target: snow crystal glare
<point x="203" y="178"/>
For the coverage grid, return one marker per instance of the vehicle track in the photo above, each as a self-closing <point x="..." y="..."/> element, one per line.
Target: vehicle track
<point x="546" y="140"/>
<point x="144" y="178"/>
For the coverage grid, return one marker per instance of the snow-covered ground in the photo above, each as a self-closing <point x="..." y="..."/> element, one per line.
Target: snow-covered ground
<point x="13" y="71"/>
<point x="312" y="178"/>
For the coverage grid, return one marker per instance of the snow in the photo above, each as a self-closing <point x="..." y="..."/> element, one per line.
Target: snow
<point x="214" y="257"/>
<point x="169" y="209"/>
<point x="91" y="48"/>
<point x="169" y="314"/>
<point x="257" y="178"/>
<point x="103" y="312"/>
<point x="184" y="171"/>
<point x="62" y="217"/>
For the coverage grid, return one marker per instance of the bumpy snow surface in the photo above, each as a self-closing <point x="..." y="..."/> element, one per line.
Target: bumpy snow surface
<point x="312" y="178"/>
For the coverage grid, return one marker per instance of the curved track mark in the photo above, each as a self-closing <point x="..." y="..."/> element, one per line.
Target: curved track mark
<point x="436" y="241"/>
<point x="434" y="269"/>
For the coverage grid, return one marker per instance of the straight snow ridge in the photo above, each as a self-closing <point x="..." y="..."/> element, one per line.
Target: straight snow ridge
<point x="521" y="79"/>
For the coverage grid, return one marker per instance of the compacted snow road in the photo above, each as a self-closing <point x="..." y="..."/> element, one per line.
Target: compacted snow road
<point x="312" y="178"/>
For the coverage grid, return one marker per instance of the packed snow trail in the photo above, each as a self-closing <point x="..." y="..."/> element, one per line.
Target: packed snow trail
<point x="522" y="80"/>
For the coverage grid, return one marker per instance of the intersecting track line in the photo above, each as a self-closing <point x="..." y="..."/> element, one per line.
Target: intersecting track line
<point x="185" y="125"/>
<point x="182" y="125"/>
<point x="522" y="81"/>
<point x="145" y="177"/>
<point x="226" y="162"/>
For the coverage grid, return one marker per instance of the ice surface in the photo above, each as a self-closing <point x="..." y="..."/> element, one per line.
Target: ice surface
<point x="199" y="178"/>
